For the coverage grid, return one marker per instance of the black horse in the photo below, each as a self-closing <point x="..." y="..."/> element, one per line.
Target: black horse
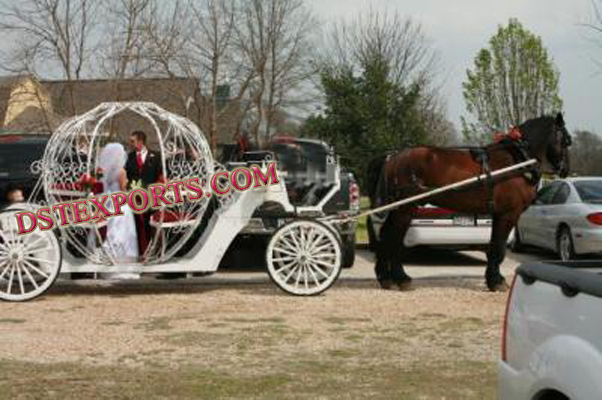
<point x="419" y="169"/>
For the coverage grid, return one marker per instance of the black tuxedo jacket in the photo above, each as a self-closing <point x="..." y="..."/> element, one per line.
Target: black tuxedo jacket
<point x="150" y="171"/>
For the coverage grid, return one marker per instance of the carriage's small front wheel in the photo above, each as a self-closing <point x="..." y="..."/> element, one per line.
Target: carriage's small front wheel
<point x="304" y="258"/>
<point x="29" y="264"/>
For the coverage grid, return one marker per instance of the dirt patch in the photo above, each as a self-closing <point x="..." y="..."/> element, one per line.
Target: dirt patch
<point x="440" y="340"/>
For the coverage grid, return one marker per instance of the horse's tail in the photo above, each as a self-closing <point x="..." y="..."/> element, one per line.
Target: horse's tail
<point x="377" y="191"/>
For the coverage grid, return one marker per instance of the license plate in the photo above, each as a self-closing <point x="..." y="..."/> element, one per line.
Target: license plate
<point x="464" y="221"/>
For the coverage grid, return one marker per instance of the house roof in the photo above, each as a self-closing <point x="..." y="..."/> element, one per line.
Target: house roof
<point x="76" y="97"/>
<point x="7" y="85"/>
<point x="69" y="98"/>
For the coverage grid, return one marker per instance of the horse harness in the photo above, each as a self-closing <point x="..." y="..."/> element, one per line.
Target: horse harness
<point x="513" y="141"/>
<point x="518" y="147"/>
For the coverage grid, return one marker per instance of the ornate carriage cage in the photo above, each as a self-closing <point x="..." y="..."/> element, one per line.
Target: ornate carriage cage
<point x="303" y="256"/>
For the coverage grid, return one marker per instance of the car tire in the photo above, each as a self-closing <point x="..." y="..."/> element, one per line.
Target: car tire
<point x="348" y="251"/>
<point x="517" y="245"/>
<point x="564" y="244"/>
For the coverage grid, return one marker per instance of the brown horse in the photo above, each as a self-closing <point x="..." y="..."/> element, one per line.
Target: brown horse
<point x="419" y="169"/>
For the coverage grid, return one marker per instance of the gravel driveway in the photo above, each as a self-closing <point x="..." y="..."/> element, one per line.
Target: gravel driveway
<point x="235" y="335"/>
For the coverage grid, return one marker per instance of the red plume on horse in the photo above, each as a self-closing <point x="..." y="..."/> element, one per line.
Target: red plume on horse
<point x="417" y="170"/>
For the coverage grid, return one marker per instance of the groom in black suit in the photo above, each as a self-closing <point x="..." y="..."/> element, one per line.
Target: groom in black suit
<point x="144" y="166"/>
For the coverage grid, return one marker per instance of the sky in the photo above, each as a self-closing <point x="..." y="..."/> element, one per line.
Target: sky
<point x="457" y="29"/>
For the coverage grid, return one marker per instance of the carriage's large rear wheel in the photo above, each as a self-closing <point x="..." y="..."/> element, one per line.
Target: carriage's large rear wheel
<point x="29" y="264"/>
<point x="304" y="258"/>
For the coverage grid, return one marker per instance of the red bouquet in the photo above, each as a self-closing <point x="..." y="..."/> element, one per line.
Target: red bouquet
<point x="91" y="182"/>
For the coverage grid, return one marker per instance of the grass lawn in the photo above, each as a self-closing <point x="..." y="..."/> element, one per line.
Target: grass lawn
<point x="361" y="234"/>
<point x="303" y="378"/>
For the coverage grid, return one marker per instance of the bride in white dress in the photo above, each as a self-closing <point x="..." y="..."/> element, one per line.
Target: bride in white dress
<point x="121" y="242"/>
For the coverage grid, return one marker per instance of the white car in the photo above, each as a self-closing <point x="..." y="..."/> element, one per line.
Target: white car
<point x="566" y="217"/>
<point x="551" y="342"/>
<point x="445" y="228"/>
<point x="442" y="228"/>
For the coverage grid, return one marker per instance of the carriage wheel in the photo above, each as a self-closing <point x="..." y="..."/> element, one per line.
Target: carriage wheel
<point x="304" y="258"/>
<point x="29" y="264"/>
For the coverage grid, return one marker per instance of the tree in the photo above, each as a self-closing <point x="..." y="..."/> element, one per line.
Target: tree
<point x="122" y="54"/>
<point x="594" y="26"/>
<point x="211" y="44"/>
<point x="274" y="37"/>
<point x="586" y="153"/>
<point x="56" y="35"/>
<point x="512" y="80"/>
<point x="376" y="76"/>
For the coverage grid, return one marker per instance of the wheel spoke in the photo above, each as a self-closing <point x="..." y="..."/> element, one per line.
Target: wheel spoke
<point x="5" y="239"/>
<point x="8" y="265"/>
<point x="286" y="266"/>
<point x="327" y="246"/>
<point x="20" y="276"/>
<point x="295" y="239"/>
<point x="324" y="264"/>
<point x="310" y="235"/>
<point x="36" y="269"/>
<point x="281" y="250"/>
<point x="291" y="273"/>
<point x="288" y="244"/>
<point x="313" y="274"/>
<point x="323" y="255"/>
<point x="306" y="277"/>
<point x="319" y="270"/>
<point x="10" y="279"/>
<point x="29" y="245"/>
<point x="39" y="260"/>
<point x="282" y="259"/>
<point x="298" y="277"/>
<point x="15" y="239"/>
<point x="48" y="248"/>
<point x="30" y="277"/>
<point x="302" y="238"/>
<point x="316" y="241"/>
<point x="5" y="245"/>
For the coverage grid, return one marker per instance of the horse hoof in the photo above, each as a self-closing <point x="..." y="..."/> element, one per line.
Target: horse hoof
<point x="499" y="287"/>
<point x="405" y="286"/>
<point x="386" y="284"/>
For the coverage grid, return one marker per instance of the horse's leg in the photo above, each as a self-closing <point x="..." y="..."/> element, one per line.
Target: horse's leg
<point x="501" y="227"/>
<point x="381" y="268"/>
<point x="402" y="218"/>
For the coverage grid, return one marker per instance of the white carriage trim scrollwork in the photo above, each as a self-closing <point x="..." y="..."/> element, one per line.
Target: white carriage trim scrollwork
<point x="303" y="258"/>
<point x="73" y="152"/>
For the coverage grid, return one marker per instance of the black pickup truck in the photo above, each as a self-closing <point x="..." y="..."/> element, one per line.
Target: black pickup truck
<point x="17" y="154"/>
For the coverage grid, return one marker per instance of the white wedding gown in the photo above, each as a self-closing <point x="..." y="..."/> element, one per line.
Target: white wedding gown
<point x="121" y="242"/>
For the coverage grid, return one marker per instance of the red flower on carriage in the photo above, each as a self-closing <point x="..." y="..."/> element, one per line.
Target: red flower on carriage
<point x="91" y="182"/>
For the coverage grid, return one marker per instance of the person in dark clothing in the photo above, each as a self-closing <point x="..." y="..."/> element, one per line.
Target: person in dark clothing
<point x="143" y="168"/>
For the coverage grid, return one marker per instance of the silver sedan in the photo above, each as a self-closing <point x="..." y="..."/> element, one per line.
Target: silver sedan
<point x="566" y="217"/>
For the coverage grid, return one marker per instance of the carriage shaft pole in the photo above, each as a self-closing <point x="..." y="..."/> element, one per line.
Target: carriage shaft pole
<point x="433" y="192"/>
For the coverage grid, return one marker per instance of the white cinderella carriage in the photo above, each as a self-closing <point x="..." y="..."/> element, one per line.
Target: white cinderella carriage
<point x="303" y="256"/>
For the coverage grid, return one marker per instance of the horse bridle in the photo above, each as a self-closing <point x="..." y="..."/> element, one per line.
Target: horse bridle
<point x="562" y="165"/>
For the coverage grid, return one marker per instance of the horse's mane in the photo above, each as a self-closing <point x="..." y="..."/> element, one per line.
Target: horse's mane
<point x="537" y="130"/>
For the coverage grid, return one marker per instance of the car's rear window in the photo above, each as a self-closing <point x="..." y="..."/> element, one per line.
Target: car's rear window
<point x="590" y="191"/>
<point x="301" y="156"/>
